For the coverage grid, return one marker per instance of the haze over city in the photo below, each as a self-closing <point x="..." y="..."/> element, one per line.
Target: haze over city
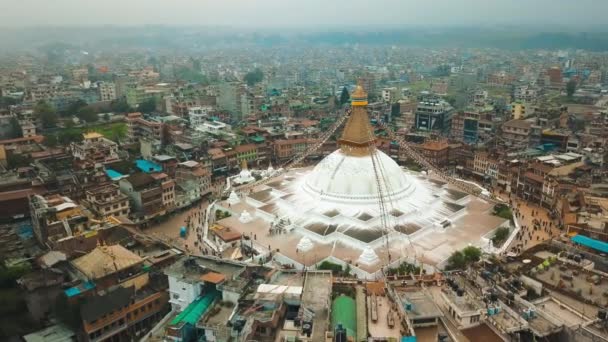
<point x="310" y="14"/>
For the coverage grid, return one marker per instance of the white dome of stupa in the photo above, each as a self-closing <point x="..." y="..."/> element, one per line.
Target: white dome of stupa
<point x="342" y="177"/>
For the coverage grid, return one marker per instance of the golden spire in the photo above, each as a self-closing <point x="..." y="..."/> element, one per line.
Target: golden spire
<point x="358" y="133"/>
<point x="243" y="165"/>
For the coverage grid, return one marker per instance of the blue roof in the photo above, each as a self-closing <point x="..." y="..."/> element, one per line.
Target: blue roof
<point x="113" y="174"/>
<point x="591" y="243"/>
<point x="76" y="290"/>
<point x="147" y="166"/>
<point x="408" y="338"/>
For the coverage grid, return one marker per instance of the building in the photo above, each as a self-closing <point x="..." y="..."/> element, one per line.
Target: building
<point x="55" y="217"/>
<point x="122" y="314"/>
<point x="108" y="266"/>
<point x="517" y="133"/>
<point x="555" y="76"/>
<point x="525" y="94"/>
<point x="389" y="95"/>
<point x="107" y="200"/>
<point x="520" y="110"/>
<point x="145" y="194"/>
<point x="433" y="114"/>
<point x="95" y="149"/>
<point x="285" y="149"/>
<point x="198" y="115"/>
<point x="192" y="181"/>
<point x="436" y="152"/>
<point x="229" y="99"/>
<point x="139" y="127"/>
<point x="107" y="91"/>
<point x="466" y="127"/>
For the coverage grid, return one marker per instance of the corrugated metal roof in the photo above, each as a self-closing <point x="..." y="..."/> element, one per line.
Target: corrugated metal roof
<point x="591" y="243"/>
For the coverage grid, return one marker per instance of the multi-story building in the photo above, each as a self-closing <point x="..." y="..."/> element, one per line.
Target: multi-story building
<point x="129" y="301"/>
<point x="145" y="194"/>
<point x="55" y="217"/>
<point x="389" y="94"/>
<point x="434" y="114"/>
<point x="123" y="314"/>
<point x="520" y="110"/>
<point x="435" y="151"/>
<point x="197" y="115"/>
<point x="517" y="133"/>
<point x="465" y="127"/>
<point x="525" y="94"/>
<point x="107" y="200"/>
<point x="192" y="181"/>
<point x="107" y="91"/>
<point x="139" y="127"/>
<point x="95" y="149"/>
<point x="485" y="165"/>
<point x="285" y="149"/>
<point x="229" y="99"/>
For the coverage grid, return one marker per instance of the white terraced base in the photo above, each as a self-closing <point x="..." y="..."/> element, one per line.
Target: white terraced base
<point x="368" y="257"/>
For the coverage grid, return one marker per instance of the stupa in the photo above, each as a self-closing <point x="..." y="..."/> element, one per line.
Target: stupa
<point x="358" y="204"/>
<point x="245" y="175"/>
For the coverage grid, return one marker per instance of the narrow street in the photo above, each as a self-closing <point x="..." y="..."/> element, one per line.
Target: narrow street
<point x="169" y="229"/>
<point x="536" y="225"/>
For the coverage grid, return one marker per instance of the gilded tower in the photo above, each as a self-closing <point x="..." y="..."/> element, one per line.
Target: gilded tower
<point x="358" y="133"/>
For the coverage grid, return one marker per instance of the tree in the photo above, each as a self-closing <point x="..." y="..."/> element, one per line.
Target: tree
<point x="501" y="235"/>
<point x="148" y="105"/>
<point x="46" y="114"/>
<point x="67" y="137"/>
<point x="14" y="128"/>
<point x="471" y="254"/>
<point x="87" y="114"/>
<point x="106" y="117"/>
<point x="74" y="107"/>
<point x="344" y="96"/>
<point x="254" y="77"/>
<point x="456" y="261"/>
<point x="14" y="160"/>
<point x="570" y="88"/>
<point x="120" y="106"/>
<point x="51" y="140"/>
<point x="6" y="101"/>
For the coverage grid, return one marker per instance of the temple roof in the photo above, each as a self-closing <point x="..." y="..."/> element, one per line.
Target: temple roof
<point x="358" y="132"/>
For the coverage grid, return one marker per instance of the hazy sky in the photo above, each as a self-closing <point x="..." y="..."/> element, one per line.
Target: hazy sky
<point x="304" y="13"/>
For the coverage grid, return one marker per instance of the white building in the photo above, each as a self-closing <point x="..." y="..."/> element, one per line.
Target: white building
<point x="197" y="115"/>
<point x="107" y="91"/>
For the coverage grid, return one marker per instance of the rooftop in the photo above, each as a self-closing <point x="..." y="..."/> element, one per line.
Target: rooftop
<point x="105" y="260"/>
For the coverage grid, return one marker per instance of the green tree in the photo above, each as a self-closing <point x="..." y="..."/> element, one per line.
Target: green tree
<point x="344" y="96"/>
<point x="14" y="160"/>
<point x="120" y="106"/>
<point x="471" y="254"/>
<point x="106" y="117"/>
<point x="87" y="114"/>
<point x="14" y="128"/>
<point x="118" y="132"/>
<point x="51" y="140"/>
<point x="501" y="235"/>
<point x="254" y="77"/>
<point x="46" y="114"/>
<point x="74" y="107"/>
<point x="67" y="137"/>
<point x="148" y="105"/>
<point x="570" y="88"/>
<point x="456" y="261"/>
<point x="6" y="101"/>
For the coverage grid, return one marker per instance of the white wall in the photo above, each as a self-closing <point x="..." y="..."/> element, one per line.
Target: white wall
<point x="186" y="293"/>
